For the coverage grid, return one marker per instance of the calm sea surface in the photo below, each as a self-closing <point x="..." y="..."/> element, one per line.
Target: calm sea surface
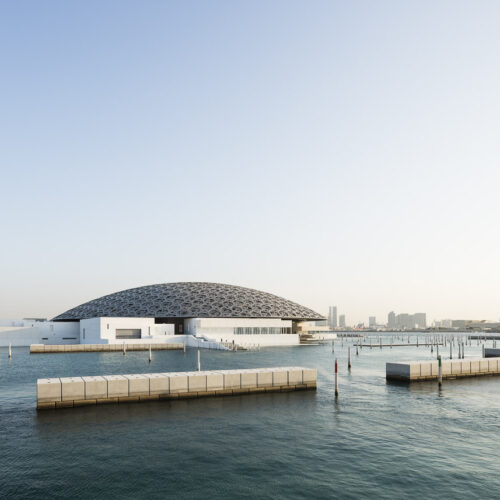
<point x="378" y="440"/>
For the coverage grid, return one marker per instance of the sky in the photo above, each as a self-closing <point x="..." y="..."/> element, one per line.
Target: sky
<point x="331" y="152"/>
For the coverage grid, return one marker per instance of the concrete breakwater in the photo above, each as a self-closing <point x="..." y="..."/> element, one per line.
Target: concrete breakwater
<point x="451" y="368"/>
<point x="44" y="348"/>
<point x="82" y="391"/>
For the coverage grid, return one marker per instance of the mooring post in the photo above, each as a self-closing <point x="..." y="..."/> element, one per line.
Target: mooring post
<point x="451" y="350"/>
<point x="124" y="350"/>
<point x="336" y="379"/>
<point x="349" y="358"/>
<point x="150" y="357"/>
<point x="357" y="351"/>
<point x="184" y="347"/>
<point x="199" y="365"/>
<point x="440" y="372"/>
<point x="10" y="350"/>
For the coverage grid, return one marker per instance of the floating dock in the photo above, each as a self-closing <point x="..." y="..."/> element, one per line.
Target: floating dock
<point x="411" y="371"/>
<point x="46" y="349"/>
<point x="83" y="391"/>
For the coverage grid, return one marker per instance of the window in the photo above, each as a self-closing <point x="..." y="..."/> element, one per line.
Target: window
<point x="128" y="333"/>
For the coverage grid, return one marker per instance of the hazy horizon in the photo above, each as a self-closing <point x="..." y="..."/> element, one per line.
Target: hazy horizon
<point x="333" y="153"/>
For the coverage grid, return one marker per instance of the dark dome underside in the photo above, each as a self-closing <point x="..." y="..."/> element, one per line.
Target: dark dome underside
<point x="190" y="300"/>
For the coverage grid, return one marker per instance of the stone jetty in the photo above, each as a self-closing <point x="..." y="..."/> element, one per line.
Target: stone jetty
<point x="410" y="371"/>
<point x="83" y="391"/>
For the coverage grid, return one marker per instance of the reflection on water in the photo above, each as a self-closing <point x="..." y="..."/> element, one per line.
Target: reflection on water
<point x="376" y="440"/>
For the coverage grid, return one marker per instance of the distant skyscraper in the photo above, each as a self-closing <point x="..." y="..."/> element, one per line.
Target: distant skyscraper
<point x="420" y="320"/>
<point x="391" y="320"/>
<point x="342" y="321"/>
<point x="372" y="321"/>
<point x="332" y="317"/>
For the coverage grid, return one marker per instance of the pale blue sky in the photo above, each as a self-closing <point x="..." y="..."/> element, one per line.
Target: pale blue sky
<point x="339" y="152"/>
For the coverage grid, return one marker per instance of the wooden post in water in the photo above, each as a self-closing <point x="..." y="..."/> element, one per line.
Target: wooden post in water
<point x="199" y="364"/>
<point x="349" y="358"/>
<point x="124" y="350"/>
<point x="10" y="350"/>
<point x="451" y="350"/>
<point x="336" y="379"/>
<point x="150" y="357"/>
<point x="357" y="351"/>
<point x="333" y="345"/>
<point x="184" y="347"/>
<point x="440" y="372"/>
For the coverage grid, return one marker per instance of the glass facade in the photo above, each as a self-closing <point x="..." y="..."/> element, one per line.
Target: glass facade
<point x="261" y="330"/>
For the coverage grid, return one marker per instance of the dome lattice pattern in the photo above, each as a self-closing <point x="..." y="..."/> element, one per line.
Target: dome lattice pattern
<point x="190" y="300"/>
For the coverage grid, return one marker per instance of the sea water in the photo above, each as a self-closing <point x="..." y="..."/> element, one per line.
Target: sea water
<point x="377" y="440"/>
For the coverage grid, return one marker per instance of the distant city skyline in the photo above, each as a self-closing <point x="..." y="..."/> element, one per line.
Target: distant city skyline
<point x="201" y="141"/>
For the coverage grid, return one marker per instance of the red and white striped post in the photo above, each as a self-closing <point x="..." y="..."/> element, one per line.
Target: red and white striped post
<point x="336" y="379"/>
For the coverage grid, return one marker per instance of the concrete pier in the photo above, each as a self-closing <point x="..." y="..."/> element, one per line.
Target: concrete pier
<point x="452" y="368"/>
<point x="64" y="348"/>
<point x="82" y="391"/>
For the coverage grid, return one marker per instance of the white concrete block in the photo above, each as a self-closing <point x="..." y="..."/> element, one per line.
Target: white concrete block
<point x="414" y="369"/>
<point x="72" y="388"/>
<point x="48" y="390"/>
<point x="95" y="387"/>
<point x="425" y="369"/>
<point x="280" y="377"/>
<point x="248" y="378"/>
<point x="295" y="376"/>
<point x="178" y="382"/>
<point x="159" y="383"/>
<point x="117" y="386"/>
<point x="197" y="381"/>
<point x="215" y="381"/>
<point x="232" y="379"/>
<point x="264" y="378"/>
<point x="138" y="385"/>
<point x="309" y="375"/>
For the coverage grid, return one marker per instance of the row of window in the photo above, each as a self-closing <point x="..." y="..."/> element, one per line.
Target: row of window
<point x="273" y="330"/>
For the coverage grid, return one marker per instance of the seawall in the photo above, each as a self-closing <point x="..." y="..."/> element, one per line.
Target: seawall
<point x="451" y="368"/>
<point x="82" y="391"/>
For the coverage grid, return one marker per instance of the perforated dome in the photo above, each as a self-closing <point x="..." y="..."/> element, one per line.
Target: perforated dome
<point x="190" y="300"/>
